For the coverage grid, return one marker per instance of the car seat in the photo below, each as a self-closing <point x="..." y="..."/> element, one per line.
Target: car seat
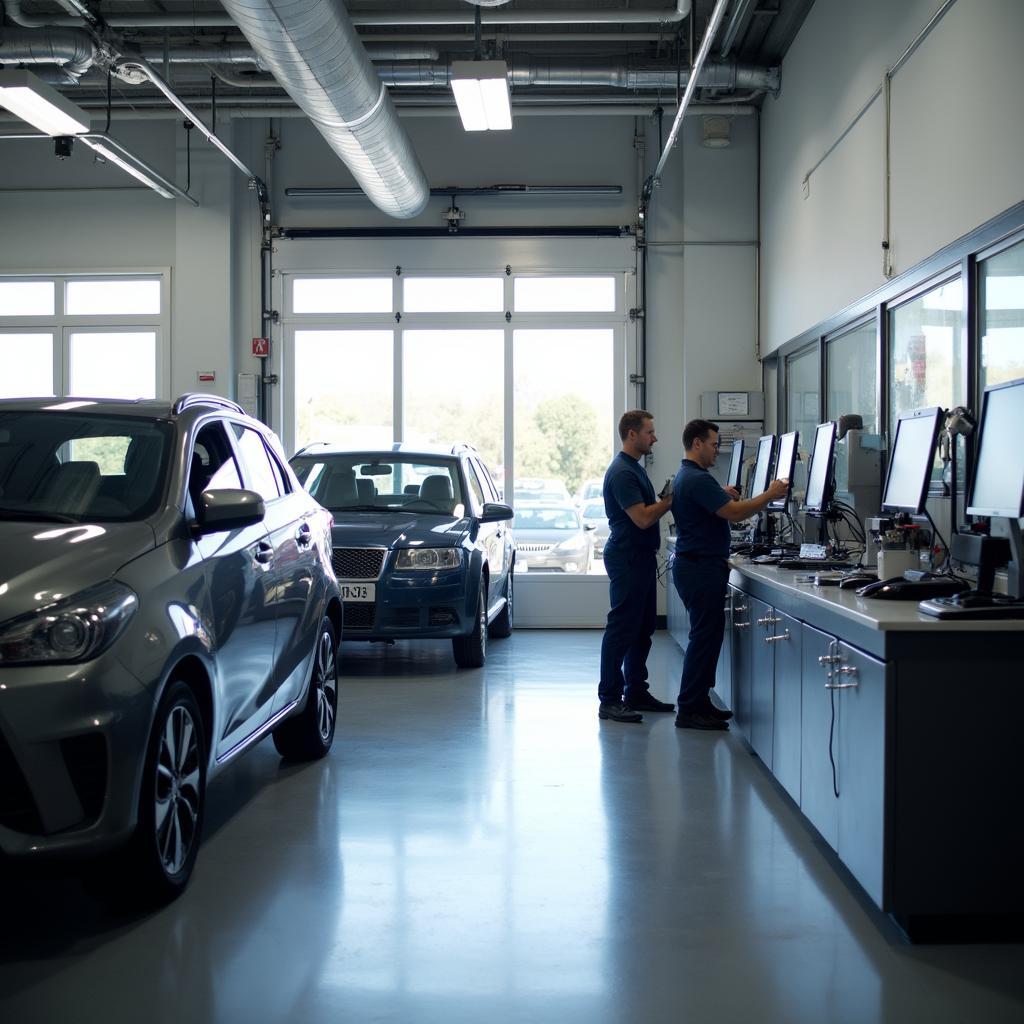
<point x="438" y="489"/>
<point x="340" y="490"/>
<point x="366" y="491"/>
<point x="70" y="487"/>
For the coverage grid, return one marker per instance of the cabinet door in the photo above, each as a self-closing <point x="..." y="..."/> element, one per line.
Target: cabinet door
<point x="723" y="671"/>
<point x="742" y="640"/>
<point x="861" y="761"/>
<point x="762" y="679"/>
<point x="786" y="730"/>
<point x="819" y="718"/>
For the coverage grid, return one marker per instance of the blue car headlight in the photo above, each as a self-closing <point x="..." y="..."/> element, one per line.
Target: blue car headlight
<point x="73" y="629"/>
<point x="429" y="558"/>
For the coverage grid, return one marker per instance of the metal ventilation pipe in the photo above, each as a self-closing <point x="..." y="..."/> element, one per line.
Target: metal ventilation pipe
<point x="71" y="48"/>
<point x="314" y="52"/>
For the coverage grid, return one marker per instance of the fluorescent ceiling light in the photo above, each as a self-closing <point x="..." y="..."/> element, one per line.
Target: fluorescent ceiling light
<point x="135" y="172"/>
<point x="41" y="106"/>
<point x="481" y="93"/>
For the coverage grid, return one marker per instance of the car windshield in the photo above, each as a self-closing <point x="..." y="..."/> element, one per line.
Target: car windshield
<point x="546" y="519"/>
<point x="80" y="466"/>
<point x="594" y="511"/>
<point x="386" y="482"/>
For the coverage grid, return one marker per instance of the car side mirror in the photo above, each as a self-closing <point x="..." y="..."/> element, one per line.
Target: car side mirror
<point x="228" y="509"/>
<point x="589" y="526"/>
<point x="495" y="512"/>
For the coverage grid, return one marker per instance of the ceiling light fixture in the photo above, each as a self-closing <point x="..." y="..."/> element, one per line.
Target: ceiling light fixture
<point x="481" y="93"/>
<point x="41" y="106"/>
<point x="106" y="153"/>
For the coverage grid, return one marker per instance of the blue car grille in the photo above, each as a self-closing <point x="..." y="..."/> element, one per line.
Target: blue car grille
<point x="358" y="616"/>
<point x="357" y="563"/>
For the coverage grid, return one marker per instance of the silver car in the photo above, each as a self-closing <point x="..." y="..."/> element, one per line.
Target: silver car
<point x="594" y="515"/>
<point x="552" y="538"/>
<point x="166" y="600"/>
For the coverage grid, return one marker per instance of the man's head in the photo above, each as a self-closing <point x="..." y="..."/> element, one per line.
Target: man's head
<point x="700" y="440"/>
<point x="636" y="428"/>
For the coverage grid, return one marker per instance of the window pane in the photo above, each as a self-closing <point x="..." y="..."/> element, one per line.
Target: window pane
<point x="851" y="370"/>
<point x="565" y="294"/>
<point x="453" y="294"/>
<point x="564" y="421"/>
<point x="27" y="361"/>
<point x="113" y="365"/>
<point x="802" y="399"/>
<point x="924" y="355"/>
<point x="26" y="298"/>
<point x="343" y="387"/>
<point x="342" y="295"/>
<point x="258" y="470"/>
<point x="125" y="296"/>
<point x="438" y="409"/>
<point x="1001" y="296"/>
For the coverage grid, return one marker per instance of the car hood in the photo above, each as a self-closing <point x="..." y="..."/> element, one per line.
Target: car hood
<point x="39" y="560"/>
<point x="375" y="529"/>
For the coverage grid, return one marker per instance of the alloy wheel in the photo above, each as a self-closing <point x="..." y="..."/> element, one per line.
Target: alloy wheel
<point x="178" y="785"/>
<point x="326" y="682"/>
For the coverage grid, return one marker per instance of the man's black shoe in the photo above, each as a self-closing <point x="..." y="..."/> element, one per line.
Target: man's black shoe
<point x="699" y="720"/>
<point x="648" y="702"/>
<point x="619" y="713"/>
<point x="714" y="711"/>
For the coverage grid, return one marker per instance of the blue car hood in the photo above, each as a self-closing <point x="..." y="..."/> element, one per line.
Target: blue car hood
<point x="39" y="559"/>
<point x="390" y="530"/>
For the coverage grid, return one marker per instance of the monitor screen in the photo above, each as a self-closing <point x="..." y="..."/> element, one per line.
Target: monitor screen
<point x="763" y="465"/>
<point x="784" y="465"/>
<point x="819" y="473"/>
<point x="910" y="461"/>
<point x="735" y="477"/>
<point x="997" y="488"/>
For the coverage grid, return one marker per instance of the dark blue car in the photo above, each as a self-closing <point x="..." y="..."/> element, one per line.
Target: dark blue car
<point x="421" y="543"/>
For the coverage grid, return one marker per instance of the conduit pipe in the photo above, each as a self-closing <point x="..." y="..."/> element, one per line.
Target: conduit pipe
<point x="73" y="49"/>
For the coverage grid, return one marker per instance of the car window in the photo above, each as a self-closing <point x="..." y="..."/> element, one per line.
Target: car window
<point x="82" y="465"/>
<point x="283" y="484"/>
<point x="256" y="464"/>
<point x="546" y="518"/>
<point x="490" y="491"/>
<point x="474" y="484"/>
<point x="594" y="511"/>
<point x="212" y="466"/>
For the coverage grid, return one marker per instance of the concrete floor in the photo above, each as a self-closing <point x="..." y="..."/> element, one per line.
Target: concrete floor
<point x="478" y="848"/>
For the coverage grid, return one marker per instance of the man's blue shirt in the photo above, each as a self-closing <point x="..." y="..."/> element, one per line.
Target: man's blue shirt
<point x="625" y="485"/>
<point x="696" y="498"/>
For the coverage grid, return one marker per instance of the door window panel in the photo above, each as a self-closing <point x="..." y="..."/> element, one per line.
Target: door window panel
<point x="344" y="391"/>
<point x="1001" y="297"/>
<point x="112" y="364"/>
<point x="342" y="295"/>
<point x="453" y="389"/>
<point x="120" y="297"/>
<point x="27" y="361"/>
<point x="453" y="294"/>
<point x="564" y="294"/>
<point x="27" y="298"/>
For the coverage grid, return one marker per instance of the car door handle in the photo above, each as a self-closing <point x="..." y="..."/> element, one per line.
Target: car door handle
<point x="264" y="552"/>
<point x="303" y="536"/>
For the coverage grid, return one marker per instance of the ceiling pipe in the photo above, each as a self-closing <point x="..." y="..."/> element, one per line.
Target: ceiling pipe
<point x="313" y="50"/>
<point x="73" y="49"/>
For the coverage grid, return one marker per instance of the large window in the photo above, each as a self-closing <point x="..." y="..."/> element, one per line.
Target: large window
<point x="803" y="397"/>
<point x="89" y="336"/>
<point x="851" y="372"/>
<point x="1001" y="298"/>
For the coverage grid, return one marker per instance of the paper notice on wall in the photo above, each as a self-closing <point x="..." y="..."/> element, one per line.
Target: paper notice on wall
<point x="247" y="397"/>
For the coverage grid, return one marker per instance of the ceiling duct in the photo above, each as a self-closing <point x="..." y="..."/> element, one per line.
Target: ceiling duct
<point x="73" y="49"/>
<point x="312" y="49"/>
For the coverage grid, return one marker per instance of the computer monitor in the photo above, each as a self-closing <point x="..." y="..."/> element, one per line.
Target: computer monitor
<point x="910" y="461"/>
<point x="735" y="475"/>
<point x="784" y="466"/>
<point x="762" y="465"/>
<point x="819" y="472"/>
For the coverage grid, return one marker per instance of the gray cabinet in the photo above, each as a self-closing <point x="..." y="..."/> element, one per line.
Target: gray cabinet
<point x="724" y="668"/>
<point x="742" y="652"/>
<point x="762" y="678"/>
<point x="786" y="752"/>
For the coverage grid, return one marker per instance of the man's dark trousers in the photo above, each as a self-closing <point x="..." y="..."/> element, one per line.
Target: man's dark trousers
<point x="633" y="593"/>
<point x="702" y="584"/>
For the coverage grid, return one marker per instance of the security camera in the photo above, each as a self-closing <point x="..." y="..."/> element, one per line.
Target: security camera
<point x="62" y="146"/>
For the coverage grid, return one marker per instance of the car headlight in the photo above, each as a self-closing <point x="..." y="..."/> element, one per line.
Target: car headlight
<point x="74" y="629"/>
<point x="429" y="558"/>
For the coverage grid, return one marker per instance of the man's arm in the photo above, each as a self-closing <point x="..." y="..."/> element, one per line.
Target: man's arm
<point x="735" y="511"/>
<point x="647" y="515"/>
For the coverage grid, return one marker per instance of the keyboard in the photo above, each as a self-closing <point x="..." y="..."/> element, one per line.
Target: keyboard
<point x="950" y="608"/>
<point x="813" y="563"/>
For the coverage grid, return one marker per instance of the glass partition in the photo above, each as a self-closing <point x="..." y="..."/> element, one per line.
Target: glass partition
<point x="851" y="374"/>
<point x="1001" y="326"/>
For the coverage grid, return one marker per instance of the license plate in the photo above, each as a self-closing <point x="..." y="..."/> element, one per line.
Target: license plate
<point x="358" y="591"/>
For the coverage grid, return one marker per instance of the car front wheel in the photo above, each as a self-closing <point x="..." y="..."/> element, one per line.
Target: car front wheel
<point x="471" y="651"/>
<point x="309" y="734"/>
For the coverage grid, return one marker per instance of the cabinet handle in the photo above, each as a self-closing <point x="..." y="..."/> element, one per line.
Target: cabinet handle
<point x="828" y="659"/>
<point x="741" y="625"/>
<point x="847" y="670"/>
<point x="769" y="620"/>
<point x="841" y="686"/>
<point x="740" y="608"/>
<point x="773" y="639"/>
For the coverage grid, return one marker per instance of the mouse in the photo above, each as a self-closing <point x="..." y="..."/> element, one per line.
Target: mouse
<point x="874" y="588"/>
<point x="857" y="580"/>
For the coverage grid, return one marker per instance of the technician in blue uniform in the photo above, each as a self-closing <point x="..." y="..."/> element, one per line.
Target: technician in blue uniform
<point x="703" y="510"/>
<point x="631" y="561"/>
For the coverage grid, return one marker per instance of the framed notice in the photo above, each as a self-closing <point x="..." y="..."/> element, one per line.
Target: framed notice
<point x="733" y="403"/>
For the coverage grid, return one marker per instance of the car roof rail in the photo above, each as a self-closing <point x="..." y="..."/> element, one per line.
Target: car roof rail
<point x="192" y="398"/>
<point x="312" y="444"/>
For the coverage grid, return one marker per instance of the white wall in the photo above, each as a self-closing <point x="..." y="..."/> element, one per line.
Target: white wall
<point x="957" y="140"/>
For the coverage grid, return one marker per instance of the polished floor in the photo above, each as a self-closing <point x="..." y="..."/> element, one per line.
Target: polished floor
<point x="479" y="848"/>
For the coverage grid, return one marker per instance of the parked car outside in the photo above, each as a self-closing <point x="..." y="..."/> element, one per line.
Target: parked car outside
<point x="422" y="546"/>
<point x="168" y="599"/>
<point x="539" y="488"/>
<point x="552" y="538"/>
<point x="593" y="515"/>
<point x="590" y="490"/>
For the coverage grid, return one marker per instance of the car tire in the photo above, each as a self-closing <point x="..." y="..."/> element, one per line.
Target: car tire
<point x="163" y="850"/>
<point x="501" y="627"/>
<point x="471" y="651"/>
<point x="309" y="734"/>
